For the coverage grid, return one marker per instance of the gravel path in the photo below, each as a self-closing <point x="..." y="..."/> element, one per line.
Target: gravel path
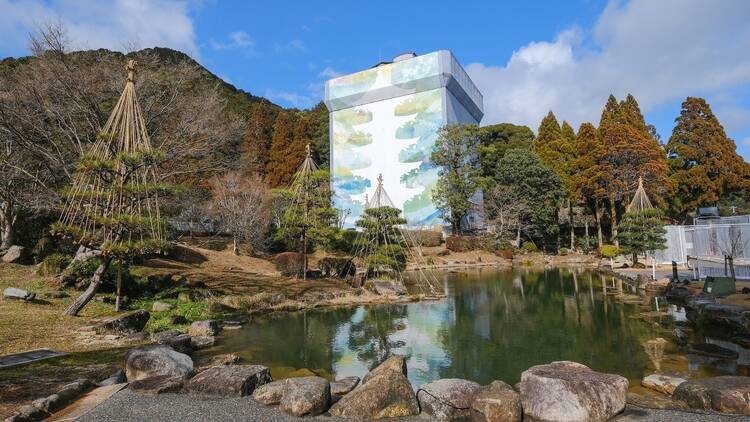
<point x="128" y="407"/>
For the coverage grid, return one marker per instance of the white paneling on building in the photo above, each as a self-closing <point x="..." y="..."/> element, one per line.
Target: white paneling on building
<point x="385" y="120"/>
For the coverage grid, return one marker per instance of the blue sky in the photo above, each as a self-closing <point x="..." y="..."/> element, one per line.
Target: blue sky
<point x="526" y="57"/>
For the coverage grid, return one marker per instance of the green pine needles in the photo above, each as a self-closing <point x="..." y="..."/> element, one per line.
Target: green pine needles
<point x="381" y="241"/>
<point x="640" y="232"/>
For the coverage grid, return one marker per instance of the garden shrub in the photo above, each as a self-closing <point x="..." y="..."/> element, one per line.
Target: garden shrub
<point x="529" y="247"/>
<point x="426" y="238"/>
<point x="608" y="251"/>
<point x="337" y="267"/>
<point x="563" y="251"/>
<point x="505" y="253"/>
<point x="54" y="264"/>
<point x="464" y="243"/>
<point x="344" y="242"/>
<point x="290" y="263"/>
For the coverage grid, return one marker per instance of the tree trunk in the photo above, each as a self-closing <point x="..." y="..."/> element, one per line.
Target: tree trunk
<point x="586" y="231"/>
<point x="598" y="217"/>
<point x="90" y="291"/>
<point x="572" y="227"/>
<point x="613" y="220"/>
<point x="119" y="286"/>
<point x="635" y="259"/>
<point x="8" y="233"/>
<point x="518" y="237"/>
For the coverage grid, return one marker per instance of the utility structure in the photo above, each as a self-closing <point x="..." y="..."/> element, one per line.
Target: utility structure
<point x="386" y="119"/>
<point x="113" y="203"/>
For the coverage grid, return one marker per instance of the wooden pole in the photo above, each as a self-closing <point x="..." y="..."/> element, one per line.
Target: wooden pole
<point x="119" y="286"/>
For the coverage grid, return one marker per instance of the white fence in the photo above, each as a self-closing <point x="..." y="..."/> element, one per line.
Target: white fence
<point x="707" y="245"/>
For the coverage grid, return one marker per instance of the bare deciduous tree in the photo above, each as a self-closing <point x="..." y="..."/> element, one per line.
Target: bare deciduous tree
<point x="241" y="206"/>
<point x="505" y="212"/>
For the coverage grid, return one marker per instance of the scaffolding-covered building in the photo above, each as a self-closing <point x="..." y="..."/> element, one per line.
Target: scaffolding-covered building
<point x="385" y="120"/>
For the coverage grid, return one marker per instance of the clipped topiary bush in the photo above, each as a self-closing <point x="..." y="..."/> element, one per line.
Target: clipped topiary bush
<point x="290" y="263"/>
<point x="337" y="267"/>
<point x="529" y="247"/>
<point x="427" y="238"/>
<point x="608" y="251"/>
<point x="464" y="243"/>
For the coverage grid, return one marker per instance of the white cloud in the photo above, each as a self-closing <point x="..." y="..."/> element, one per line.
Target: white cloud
<point x="90" y="24"/>
<point x="329" y="73"/>
<point x="237" y="40"/>
<point x="660" y="51"/>
<point x="293" y="45"/>
<point x="295" y="99"/>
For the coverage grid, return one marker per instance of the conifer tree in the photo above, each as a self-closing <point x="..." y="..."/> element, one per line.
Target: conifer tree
<point x="589" y="181"/>
<point x="257" y="138"/>
<point x="113" y="204"/>
<point x="555" y="147"/>
<point x="610" y="113"/>
<point x="641" y="231"/>
<point x="381" y="241"/>
<point x="309" y="219"/>
<point x="630" y="114"/>
<point x="286" y="151"/>
<point x="703" y="162"/>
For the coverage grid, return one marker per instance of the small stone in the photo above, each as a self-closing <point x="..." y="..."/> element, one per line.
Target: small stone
<point x="713" y="351"/>
<point x="178" y="320"/>
<point x="225" y="359"/>
<point x="14" y="254"/>
<point x="229" y="380"/>
<point x="497" y="402"/>
<point x="111" y="337"/>
<point x="161" y="307"/>
<point x="32" y="413"/>
<point x="202" y="342"/>
<point x="184" y="297"/>
<point x="18" y="294"/>
<point x="662" y="383"/>
<point x="344" y="385"/>
<point x="448" y="399"/>
<point x="208" y="327"/>
<point x="130" y="322"/>
<point x="157" y="385"/>
<point x="117" y="377"/>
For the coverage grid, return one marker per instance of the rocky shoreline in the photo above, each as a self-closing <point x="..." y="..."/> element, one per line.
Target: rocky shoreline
<point x="558" y="391"/>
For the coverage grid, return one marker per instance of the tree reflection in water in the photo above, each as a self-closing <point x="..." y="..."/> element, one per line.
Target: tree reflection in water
<point x="494" y="324"/>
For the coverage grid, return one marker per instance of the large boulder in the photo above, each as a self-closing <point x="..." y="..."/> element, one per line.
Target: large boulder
<point x="343" y="385"/>
<point x="385" y="393"/>
<point x="161" y="306"/>
<point x="734" y="317"/>
<point x="209" y="327"/>
<point x="158" y="360"/>
<point x="726" y="394"/>
<point x="307" y="396"/>
<point x="497" y="402"/>
<point x="713" y="351"/>
<point x="18" y="294"/>
<point x="229" y="380"/>
<point x="662" y="383"/>
<point x="130" y="322"/>
<point x="569" y="391"/>
<point x="395" y="363"/>
<point x="448" y="399"/>
<point x="387" y="287"/>
<point x="202" y="342"/>
<point x="15" y="254"/>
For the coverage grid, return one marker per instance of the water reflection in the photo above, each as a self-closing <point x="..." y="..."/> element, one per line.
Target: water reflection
<point x="493" y="325"/>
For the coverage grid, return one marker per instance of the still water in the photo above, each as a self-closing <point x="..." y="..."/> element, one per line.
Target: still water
<point x="493" y="324"/>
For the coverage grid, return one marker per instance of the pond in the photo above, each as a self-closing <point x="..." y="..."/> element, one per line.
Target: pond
<point x="494" y="324"/>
